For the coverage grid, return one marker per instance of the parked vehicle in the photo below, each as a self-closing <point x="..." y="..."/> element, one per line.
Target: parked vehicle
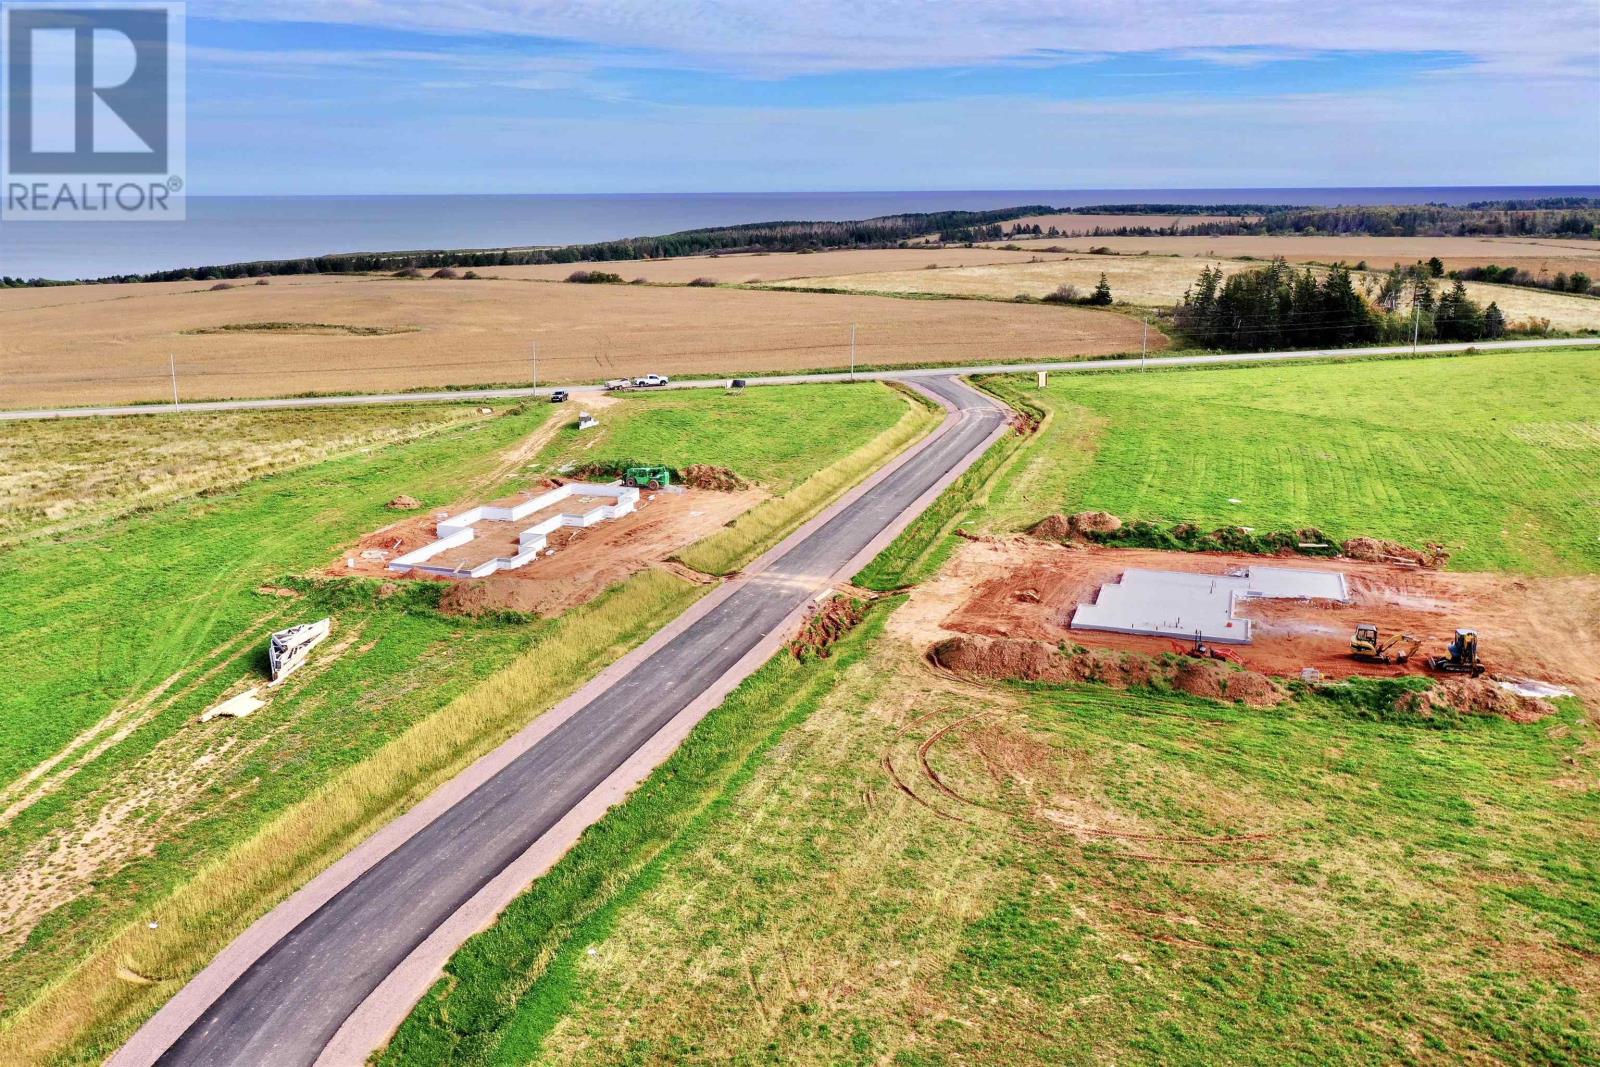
<point x="559" y="397"/>
<point x="737" y="383"/>
<point x="651" y="381"/>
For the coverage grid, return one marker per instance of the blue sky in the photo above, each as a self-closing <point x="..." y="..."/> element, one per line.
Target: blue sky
<point x="497" y="96"/>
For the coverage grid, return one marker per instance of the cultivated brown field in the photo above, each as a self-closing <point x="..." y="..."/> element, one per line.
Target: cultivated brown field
<point x="1072" y="223"/>
<point x="771" y="266"/>
<point x="1533" y="254"/>
<point x="1160" y="281"/>
<point x="109" y="344"/>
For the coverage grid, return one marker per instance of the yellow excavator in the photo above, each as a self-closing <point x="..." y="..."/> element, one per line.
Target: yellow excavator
<point x="1461" y="657"/>
<point x="1369" y="646"/>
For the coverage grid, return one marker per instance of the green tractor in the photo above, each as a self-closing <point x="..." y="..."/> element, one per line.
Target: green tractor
<point x="648" y="477"/>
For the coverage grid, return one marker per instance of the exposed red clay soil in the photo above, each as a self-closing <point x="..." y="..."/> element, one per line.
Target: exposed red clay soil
<point x="585" y="564"/>
<point x="1075" y="527"/>
<point x="1475" y="696"/>
<point x="1540" y="628"/>
<point x="1000" y="658"/>
<point x="1376" y="550"/>
<point x="831" y="620"/>
<point x="404" y="503"/>
<point x="712" y="479"/>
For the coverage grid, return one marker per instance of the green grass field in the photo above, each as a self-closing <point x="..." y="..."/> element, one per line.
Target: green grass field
<point x="1419" y="895"/>
<point x="1099" y="875"/>
<point x="112" y="798"/>
<point x="767" y="435"/>
<point x="1497" y="456"/>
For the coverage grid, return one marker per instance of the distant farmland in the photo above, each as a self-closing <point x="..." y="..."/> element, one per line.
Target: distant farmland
<point x="1160" y="281"/>
<point x="101" y="344"/>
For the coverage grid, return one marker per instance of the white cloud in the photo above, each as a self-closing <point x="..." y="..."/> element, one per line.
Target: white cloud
<point x="1548" y="37"/>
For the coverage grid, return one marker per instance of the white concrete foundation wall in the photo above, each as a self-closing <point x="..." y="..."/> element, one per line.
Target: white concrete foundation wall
<point x="459" y="530"/>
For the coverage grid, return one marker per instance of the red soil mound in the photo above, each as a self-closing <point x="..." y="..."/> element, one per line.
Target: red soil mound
<point x="1377" y="550"/>
<point x="404" y="503"/>
<point x="1075" y="527"/>
<point x="1035" y="661"/>
<point x="714" y="479"/>
<point x="1475" y="696"/>
<point x="466" y="598"/>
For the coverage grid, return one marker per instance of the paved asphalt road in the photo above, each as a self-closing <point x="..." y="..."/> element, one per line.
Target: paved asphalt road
<point x="918" y="373"/>
<point x="284" y="1009"/>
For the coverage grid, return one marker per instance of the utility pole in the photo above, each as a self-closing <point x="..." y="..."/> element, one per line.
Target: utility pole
<point x="1416" y="322"/>
<point x="852" y="351"/>
<point x="172" y="365"/>
<point x="1144" y="344"/>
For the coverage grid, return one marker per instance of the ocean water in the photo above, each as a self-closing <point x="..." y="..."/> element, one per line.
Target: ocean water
<point x="233" y="229"/>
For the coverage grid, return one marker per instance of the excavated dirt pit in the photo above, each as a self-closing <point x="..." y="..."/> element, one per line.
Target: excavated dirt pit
<point x="1538" y="628"/>
<point x="585" y="563"/>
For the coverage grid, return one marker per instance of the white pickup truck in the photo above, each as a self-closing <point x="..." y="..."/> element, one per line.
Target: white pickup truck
<point x="651" y="381"/>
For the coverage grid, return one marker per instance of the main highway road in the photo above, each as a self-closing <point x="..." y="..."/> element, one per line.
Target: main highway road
<point x="1081" y="366"/>
<point x="288" y="1004"/>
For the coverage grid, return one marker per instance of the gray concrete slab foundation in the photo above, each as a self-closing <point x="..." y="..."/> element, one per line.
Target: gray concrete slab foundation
<point x="1184" y="604"/>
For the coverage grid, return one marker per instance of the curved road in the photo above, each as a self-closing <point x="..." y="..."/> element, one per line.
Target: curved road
<point x="286" y="1007"/>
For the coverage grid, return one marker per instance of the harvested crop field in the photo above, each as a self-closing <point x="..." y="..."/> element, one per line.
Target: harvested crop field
<point x="115" y="349"/>
<point x="1150" y="281"/>
<point x="1540" y="628"/>
<point x="584" y="563"/>
<point x="1160" y="281"/>
<point x="743" y="267"/>
<point x="1533" y="254"/>
<point x="1074" y="223"/>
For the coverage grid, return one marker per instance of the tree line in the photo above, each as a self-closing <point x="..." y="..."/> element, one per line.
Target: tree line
<point x="1279" y="307"/>
<point x="789" y="236"/>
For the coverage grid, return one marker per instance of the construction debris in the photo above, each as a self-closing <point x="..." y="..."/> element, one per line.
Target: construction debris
<point x="289" y="648"/>
<point x="404" y="503"/>
<point x="237" y="707"/>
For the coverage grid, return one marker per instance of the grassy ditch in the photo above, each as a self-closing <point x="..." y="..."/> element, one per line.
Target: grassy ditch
<point x="769" y="522"/>
<point x="506" y="987"/>
<point x="922" y="547"/>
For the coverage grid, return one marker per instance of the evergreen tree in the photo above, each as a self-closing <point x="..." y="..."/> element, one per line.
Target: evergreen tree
<point x="1102" y="293"/>
<point x="1494" y="322"/>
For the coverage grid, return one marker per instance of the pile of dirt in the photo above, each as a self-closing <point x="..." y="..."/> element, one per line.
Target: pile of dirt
<point x="1377" y="550"/>
<point x="1077" y="527"/>
<point x="470" y="599"/>
<point x="1474" y="696"/>
<point x="826" y="625"/>
<point x="713" y="479"/>
<point x="404" y="503"/>
<point x="1035" y="661"/>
